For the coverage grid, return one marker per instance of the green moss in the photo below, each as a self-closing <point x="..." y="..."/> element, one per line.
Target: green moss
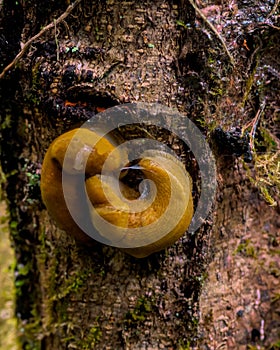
<point x="276" y="297"/>
<point x="247" y="249"/>
<point x="7" y="122"/>
<point x="249" y="84"/>
<point x="273" y="269"/>
<point x="275" y="346"/>
<point x="141" y="310"/>
<point x="265" y="141"/>
<point x="181" y="24"/>
<point x="59" y="289"/>
<point x="94" y="336"/>
<point x="184" y="345"/>
<point x="34" y="92"/>
<point x="265" y="174"/>
<point x="72" y="285"/>
<point x="22" y="273"/>
<point x="266" y="195"/>
<point x="201" y="278"/>
<point x="30" y="333"/>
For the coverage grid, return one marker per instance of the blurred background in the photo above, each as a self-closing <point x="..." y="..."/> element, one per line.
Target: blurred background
<point x="7" y="320"/>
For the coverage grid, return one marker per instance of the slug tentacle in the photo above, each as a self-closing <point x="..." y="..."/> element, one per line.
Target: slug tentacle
<point x="140" y="222"/>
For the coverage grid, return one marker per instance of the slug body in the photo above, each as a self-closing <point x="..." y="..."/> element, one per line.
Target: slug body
<point x="140" y="223"/>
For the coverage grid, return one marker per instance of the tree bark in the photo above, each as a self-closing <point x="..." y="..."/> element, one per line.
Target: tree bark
<point x="72" y="296"/>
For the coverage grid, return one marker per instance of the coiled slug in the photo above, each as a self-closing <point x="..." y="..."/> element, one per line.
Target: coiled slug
<point x="153" y="219"/>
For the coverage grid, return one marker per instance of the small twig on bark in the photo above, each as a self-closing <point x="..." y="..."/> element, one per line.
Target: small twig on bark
<point x="254" y="123"/>
<point x="56" y="41"/>
<point x="37" y="36"/>
<point x="272" y="26"/>
<point x="214" y="30"/>
<point x="273" y="10"/>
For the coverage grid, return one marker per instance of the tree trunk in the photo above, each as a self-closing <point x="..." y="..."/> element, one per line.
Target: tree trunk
<point x="214" y="288"/>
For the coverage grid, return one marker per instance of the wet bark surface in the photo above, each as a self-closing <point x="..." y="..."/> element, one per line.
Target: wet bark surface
<point x="239" y="303"/>
<point x="215" y="289"/>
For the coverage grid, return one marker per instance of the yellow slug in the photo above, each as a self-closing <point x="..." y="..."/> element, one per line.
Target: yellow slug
<point x="156" y="219"/>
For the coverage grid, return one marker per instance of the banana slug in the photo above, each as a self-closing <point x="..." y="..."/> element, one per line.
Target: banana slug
<point x="159" y="216"/>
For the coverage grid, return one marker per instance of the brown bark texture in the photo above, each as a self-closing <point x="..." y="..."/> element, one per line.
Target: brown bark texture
<point x="217" y="288"/>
